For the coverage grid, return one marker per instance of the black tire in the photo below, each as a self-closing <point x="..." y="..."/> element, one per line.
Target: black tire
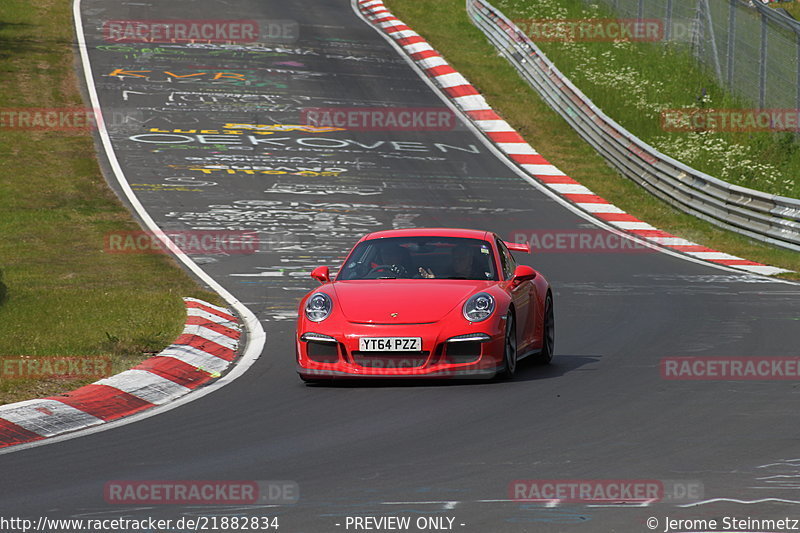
<point x="548" y="333"/>
<point x="509" y="350"/>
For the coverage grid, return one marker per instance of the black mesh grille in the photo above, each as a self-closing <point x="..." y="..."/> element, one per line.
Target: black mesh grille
<point x="462" y="352"/>
<point x="323" y="352"/>
<point x="390" y="359"/>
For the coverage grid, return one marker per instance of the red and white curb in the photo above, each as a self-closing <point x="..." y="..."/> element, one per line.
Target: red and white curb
<point x="508" y="141"/>
<point x="206" y="348"/>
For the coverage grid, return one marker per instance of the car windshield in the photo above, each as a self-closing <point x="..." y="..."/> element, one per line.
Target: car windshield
<point x="421" y="258"/>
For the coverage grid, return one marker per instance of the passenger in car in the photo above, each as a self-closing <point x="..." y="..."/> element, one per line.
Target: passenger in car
<point x="462" y="265"/>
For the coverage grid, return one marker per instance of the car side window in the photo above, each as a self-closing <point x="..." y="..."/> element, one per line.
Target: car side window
<point x="506" y="260"/>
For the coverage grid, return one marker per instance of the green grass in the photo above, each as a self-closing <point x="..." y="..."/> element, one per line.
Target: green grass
<point x="63" y="295"/>
<point x="445" y="24"/>
<point x="791" y="7"/>
<point x="630" y="81"/>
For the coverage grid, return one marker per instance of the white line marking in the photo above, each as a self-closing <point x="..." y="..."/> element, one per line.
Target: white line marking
<point x="149" y="387"/>
<point x="477" y="102"/>
<point x="713" y="255"/>
<point x="543" y="170"/>
<point x="406" y="33"/>
<point x="454" y="79"/>
<point x="196" y="357"/>
<point x="516" y="148"/>
<point x="431" y="62"/>
<point x="256" y="337"/>
<point x="627" y="224"/>
<point x="601" y="208"/>
<point x="743" y="502"/>
<point x="416" y="47"/>
<point x="211" y="317"/>
<point x="494" y="125"/>
<point x="570" y="188"/>
<point x="48" y="417"/>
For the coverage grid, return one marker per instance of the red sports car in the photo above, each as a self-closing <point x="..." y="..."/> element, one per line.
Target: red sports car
<point x="425" y="303"/>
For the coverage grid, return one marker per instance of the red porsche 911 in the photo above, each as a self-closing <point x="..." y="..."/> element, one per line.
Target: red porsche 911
<point x="425" y="303"/>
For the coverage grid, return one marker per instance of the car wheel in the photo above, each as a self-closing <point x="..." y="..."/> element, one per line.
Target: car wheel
<point x="549" y="332"/>
<point x="509" y="350"/>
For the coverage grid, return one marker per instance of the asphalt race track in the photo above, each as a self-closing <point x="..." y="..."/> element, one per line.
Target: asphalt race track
<point x="450" y="450"/>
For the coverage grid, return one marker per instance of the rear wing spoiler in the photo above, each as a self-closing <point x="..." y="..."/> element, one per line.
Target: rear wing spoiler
<point x="518" y="246"/>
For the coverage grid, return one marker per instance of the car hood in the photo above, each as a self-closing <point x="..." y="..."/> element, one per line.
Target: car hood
<point x="413" y="301"/>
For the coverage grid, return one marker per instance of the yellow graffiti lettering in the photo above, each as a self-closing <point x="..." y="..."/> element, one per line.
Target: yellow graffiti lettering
<point x="184" y="75"/>
<point x="121" y="72"/>
<point x="231" y="75"/>
<point x="284" y="127"/>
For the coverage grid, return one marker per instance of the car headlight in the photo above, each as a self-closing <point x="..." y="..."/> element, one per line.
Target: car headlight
<point x="479" y="307"/>
<point x="318" y="307"/>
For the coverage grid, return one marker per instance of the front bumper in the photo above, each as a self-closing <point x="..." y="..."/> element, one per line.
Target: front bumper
<point x="324" y="354"/>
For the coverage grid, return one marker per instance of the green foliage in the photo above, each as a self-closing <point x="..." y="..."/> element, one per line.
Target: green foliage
<point x="634" y="82"/>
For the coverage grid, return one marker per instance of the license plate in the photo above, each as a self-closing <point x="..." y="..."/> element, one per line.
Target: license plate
<point x="390" y="344"/>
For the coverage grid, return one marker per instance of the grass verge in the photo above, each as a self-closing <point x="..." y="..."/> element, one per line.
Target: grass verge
<point x="791" y="7"/>
<point x="627" y="79"/>
<point x="63" y="296"/>
<point x="444" y="23"/>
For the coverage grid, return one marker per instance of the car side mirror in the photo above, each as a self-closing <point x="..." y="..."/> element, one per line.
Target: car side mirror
<point x="523" y="273"/>
<point x="321" y="274"/>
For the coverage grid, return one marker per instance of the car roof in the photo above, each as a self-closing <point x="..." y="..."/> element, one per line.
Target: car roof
<point x="430" y="232"/>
